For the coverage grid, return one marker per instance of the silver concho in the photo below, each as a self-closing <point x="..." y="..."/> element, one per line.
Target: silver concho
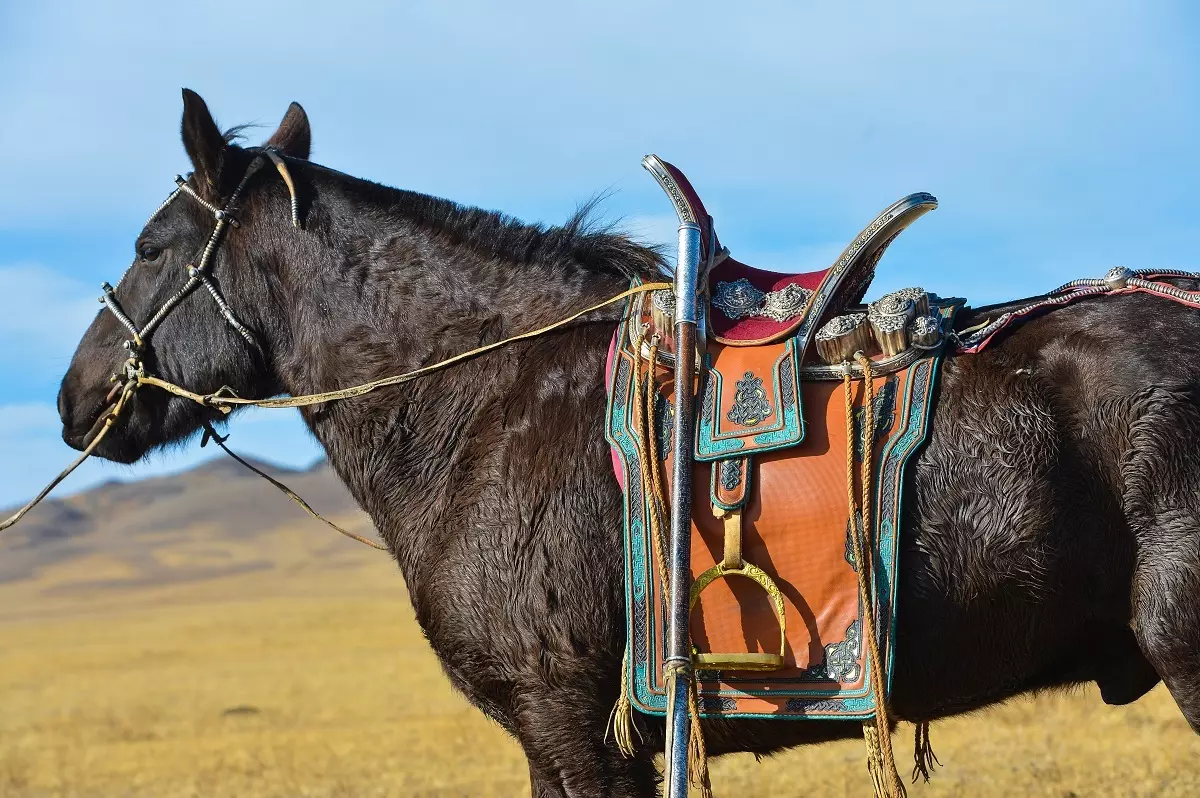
<point x="664" y="301"/>
<point x="741" y="300"/>
<point x="842" y="336"/>
<point x="894" y="304"/>
<point x="786" y="303"/>
<point x="1117" y="277"/>
<point x="891" y="332"/>
<point x="890" y="316"/>
<point x="925" y="331"/>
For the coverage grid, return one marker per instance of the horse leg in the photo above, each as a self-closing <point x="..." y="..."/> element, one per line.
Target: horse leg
<point x="1162" y="505"/>
<point x="564" y="741"/>
<point x="1168" y="624"/>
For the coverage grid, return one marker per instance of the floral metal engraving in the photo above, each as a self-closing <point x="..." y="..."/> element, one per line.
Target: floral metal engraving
<point x="750" y="405"/>
<point x="786" y="303"/>
<point x="664" y="300"/>
<point x="841" y="659"/>
<point x="741" y="300"/>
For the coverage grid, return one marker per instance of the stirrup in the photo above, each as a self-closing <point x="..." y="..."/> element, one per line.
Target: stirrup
<point x="741" y="660"/>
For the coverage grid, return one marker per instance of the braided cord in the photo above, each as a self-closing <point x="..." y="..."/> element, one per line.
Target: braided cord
<point x="877" y="732"/>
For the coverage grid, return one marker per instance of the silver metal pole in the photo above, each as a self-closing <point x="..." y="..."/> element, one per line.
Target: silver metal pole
<point x="679" y="579"/>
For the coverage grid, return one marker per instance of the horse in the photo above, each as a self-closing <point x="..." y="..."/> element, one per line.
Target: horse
<point x="1051" y="530"/>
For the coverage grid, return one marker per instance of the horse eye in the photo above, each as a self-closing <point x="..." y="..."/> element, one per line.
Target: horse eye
<point x="148" y="253"/>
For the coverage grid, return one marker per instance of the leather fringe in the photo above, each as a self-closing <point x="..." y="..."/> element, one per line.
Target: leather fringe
<point x="620" y="720"/>
<point x="923" y="756"/>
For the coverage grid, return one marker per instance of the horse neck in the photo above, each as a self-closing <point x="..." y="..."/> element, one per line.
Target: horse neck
<point x="387" y="296"/>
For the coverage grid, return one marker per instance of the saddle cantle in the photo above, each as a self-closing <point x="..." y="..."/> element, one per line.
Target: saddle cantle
<point x="784" y="639"/>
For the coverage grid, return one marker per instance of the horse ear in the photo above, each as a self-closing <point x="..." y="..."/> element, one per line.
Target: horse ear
<point x="294" y="136"/>
<point x="201" y="138"/>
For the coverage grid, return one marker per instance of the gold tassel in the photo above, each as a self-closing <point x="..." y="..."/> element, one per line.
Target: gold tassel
<point x="697" y="752"/>
<point x="620" y="720"/>
<point x="923" y="756"/>
<point x="881" y="762"/>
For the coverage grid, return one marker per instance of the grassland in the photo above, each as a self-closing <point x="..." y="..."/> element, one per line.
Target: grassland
<point x="174" y="657"/>
<point x="309" y="681"/>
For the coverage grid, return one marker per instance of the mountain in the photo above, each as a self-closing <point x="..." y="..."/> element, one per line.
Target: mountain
<point x="214" y="520"/>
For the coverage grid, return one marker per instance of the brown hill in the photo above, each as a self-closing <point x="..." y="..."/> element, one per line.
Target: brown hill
<point x="214" y="520"/>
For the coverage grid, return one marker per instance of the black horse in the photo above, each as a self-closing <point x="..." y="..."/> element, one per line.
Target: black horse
<point x="1051" y="534"/>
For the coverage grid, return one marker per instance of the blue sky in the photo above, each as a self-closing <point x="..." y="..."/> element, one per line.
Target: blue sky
<point x="1059" y="137"/>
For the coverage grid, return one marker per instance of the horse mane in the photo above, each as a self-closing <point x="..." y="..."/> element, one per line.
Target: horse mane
<point x="595" y="245"/>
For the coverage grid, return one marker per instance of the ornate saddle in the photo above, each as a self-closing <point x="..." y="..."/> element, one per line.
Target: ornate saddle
<point x="780" y="427"/>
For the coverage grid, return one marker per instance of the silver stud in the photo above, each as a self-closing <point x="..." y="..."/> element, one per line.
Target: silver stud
<point x="1117" y="277"/>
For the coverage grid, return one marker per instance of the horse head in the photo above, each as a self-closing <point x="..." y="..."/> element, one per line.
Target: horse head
<point x="195" y="306"/>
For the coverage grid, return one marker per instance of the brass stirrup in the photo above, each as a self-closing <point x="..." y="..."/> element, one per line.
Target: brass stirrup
<point x="734" y="565"/>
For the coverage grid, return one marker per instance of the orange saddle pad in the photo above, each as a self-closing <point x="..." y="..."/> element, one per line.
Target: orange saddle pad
<point x="771" y="442"/>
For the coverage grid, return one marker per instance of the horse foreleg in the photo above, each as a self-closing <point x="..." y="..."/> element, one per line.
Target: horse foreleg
<point x="562" y="732"/>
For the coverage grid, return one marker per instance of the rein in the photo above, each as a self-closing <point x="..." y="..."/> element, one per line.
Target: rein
<point x="134" y="375"/>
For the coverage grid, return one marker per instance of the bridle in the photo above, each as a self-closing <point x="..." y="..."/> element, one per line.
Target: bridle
<point x="134" y="374"/>
<point x="198" y="273"/>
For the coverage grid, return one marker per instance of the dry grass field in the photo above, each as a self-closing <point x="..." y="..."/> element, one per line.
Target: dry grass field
<point x="209" y="661"/>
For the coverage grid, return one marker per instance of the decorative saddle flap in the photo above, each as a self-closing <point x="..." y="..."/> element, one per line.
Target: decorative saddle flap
<point x="750" y="400"/>
<point x="791" y="506"/>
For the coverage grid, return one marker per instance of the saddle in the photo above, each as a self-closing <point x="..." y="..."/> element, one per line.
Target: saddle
<point x="786" y="477"/>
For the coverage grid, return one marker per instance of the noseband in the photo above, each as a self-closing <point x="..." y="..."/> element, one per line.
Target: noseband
<point x="199" y="274"/>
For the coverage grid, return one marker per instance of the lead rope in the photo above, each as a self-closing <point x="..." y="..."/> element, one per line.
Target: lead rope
<point x="877" y="730"/>
<point x="210" y="434"/>
<point x="225" y="404"/>
<point x="108" y="418"/>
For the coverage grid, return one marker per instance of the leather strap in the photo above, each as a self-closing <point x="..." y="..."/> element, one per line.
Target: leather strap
<point x="733" y="538"/>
